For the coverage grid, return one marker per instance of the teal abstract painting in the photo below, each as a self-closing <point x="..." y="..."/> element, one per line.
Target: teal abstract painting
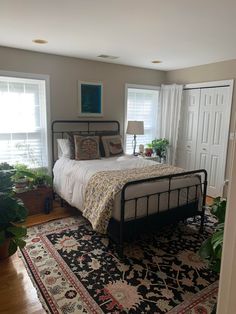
<point x="90" y="95"/>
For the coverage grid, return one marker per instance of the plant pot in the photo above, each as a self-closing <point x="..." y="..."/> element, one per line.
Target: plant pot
<point x="148" y="152"/>
<point x="4" y="249"/>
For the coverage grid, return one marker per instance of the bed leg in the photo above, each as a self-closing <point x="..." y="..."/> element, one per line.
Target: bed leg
<point x="120" y="250"/>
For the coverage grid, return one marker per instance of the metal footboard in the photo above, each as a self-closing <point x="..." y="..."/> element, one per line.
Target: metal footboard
<point x="119" y="231"/>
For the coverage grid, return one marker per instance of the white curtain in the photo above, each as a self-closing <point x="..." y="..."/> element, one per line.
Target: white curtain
<point x="170" y="102"/>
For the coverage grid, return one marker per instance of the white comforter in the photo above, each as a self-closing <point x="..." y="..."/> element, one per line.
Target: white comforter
<point x="71" y="176"/>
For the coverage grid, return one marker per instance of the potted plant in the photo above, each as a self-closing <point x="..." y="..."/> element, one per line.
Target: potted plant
<point x="12" y="212"/>
<point x="37" y="195"/>
<point x="160" y="147"/>
<point x="211" y="248"/>
<point x="33" y="178"/>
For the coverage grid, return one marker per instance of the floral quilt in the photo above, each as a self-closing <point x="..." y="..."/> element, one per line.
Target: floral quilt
<point x="104" y="185"/>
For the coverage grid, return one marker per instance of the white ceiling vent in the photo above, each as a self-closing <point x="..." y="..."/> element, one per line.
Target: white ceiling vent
<point x="108" y="57"/>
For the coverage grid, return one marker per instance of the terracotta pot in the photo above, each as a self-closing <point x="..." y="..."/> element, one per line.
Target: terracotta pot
<point x="4" y="249"/>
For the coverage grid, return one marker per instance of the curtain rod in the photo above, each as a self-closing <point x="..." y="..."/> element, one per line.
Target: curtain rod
<point x="190" y="88"/>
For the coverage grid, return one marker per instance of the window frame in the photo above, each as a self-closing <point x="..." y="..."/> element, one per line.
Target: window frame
<point x="45" y="78"/>
<point x="135" y="86"/>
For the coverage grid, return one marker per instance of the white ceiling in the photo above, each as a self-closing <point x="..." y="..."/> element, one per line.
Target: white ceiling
<point x="181" y="33"/>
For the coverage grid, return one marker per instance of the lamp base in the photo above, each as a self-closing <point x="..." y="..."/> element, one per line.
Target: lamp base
<point x="134" y="153"/>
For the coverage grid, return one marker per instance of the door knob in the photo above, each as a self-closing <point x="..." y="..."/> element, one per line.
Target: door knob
<point x="204" y="149"/>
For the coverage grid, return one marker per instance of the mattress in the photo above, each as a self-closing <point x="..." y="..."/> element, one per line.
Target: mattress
<point x="71" y="178"/>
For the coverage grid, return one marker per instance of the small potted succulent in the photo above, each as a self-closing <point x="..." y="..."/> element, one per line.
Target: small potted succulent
<point x="12" y="212"/>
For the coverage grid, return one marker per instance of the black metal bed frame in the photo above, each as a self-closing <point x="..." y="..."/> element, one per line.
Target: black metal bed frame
<point x="123" y="230"/>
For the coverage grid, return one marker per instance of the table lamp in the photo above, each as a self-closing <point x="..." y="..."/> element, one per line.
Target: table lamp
<point x="135" y="128"/>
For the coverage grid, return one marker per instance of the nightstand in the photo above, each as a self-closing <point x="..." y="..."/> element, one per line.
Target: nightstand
<point x="153" y="158"/>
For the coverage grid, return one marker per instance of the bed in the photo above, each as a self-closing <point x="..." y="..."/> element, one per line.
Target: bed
<point x="142" y="203"/>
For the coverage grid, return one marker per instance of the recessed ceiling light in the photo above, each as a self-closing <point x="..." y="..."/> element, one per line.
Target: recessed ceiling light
<point x="40" y="41"/>
<point x="156" y="61"/>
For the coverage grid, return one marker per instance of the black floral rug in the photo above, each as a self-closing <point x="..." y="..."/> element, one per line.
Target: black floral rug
<point x="75" y="271"/>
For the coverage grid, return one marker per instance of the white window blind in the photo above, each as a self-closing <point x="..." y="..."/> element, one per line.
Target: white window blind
<point x="23" y="121"/>
<point x="142" y="105"/>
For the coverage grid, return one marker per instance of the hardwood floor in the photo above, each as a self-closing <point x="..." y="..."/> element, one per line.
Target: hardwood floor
<point x="17" y="293"/>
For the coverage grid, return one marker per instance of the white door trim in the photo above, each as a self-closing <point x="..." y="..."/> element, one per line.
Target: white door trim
<point x="227" y="287"/>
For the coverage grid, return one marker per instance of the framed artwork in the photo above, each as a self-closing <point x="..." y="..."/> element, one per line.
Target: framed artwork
<point x="90" y="99"/>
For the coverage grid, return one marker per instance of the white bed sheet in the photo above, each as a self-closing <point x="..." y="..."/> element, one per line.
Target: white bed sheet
<point x="72" y="176"/>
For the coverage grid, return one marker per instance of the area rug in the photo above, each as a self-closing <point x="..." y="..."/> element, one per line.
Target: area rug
<point x="76" y="271"/>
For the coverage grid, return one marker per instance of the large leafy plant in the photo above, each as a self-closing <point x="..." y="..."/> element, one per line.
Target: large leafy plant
<point x="211" y="249"/>
<point x="12" y="212"/>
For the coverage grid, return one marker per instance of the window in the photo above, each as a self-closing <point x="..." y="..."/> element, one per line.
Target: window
<point x="142" y="105"/>
<point x="23" y="121"/>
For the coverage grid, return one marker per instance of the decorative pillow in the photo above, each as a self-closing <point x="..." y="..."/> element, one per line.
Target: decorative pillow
<point x="112" y="145"/>
<point x="86" y="147"/>
<point x="63" y="147"/>
<point x="70" y="136"/>
<point x="101" y="134"/>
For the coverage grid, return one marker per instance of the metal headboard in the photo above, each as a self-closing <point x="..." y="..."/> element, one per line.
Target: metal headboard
<point x="60" y="127"/>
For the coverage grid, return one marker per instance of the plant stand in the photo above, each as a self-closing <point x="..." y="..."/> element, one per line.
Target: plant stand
<point x="37" y="201"/>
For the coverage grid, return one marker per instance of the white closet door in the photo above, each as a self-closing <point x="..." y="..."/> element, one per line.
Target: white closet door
<point x="188" y="132"/>
<point x="212" y="140"/>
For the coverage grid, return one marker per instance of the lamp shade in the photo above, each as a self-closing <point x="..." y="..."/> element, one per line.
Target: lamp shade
<point x="135" y="128"/>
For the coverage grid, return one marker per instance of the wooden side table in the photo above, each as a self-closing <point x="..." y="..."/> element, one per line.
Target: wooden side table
<point x="37" y="201"/>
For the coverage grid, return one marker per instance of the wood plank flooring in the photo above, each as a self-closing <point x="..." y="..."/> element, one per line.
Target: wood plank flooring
<point x="17" y="293"/>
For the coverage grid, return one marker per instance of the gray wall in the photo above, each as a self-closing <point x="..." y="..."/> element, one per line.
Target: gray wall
<point x="65" y="72"/>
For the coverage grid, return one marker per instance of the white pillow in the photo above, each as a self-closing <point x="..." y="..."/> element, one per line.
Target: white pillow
<point x="63" y="147"/>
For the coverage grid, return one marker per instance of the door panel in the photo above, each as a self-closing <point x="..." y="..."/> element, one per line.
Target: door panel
<point x="214" y="114"/>
<point x="214" y="163"/>
<point x="203" y="161"/>
<point x="188" y="129"/>
<point x="217" y="128"/>
<point x="188" y="159"/>
<point x="205" y="127"/>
